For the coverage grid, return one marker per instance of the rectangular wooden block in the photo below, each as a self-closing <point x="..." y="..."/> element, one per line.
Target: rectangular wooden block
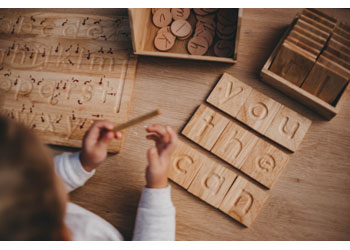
<point x="321" y="40"/>
<point x="307" y="40"/>
<point x="342" y="32"/>
<point x="61" y="72"/>
<point x="244" y="201"/>
<point x="336" y="59"/>
<point x="234" y="144"/>
<point x="319" y="25"/>
<point x="322" y="14"/>
<point x="229" y="94"/>
<point x="326" y="80"/>
<point x="288" y="128"/>
<point x="337" y="45"/>
<point x="320" y="18"/>
<point x="315" y="30"/>
<point x="292" y="63"/>
<point x="265" y="163"/>
<point x="342" y="40"/>
<point x="338" y="53"/>
<point x="185" y="163"/>
<point x="212" y="183"/>
<point x="258" y="111"/>
<point x="205" y="126"/>
<point x="303" y="45"/>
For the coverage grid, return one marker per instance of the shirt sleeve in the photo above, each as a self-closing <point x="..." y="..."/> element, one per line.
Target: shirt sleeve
<point x="155" y="219"/>
<point x="69" y="168"/>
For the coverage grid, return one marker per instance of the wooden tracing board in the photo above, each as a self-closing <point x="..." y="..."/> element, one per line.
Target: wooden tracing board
<point x="60" y="72"/>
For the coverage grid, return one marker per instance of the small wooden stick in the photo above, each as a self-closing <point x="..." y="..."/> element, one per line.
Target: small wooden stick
<point x="137" y="120"/>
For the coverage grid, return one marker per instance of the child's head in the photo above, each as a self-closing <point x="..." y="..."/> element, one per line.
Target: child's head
<point x="32" y="198"/>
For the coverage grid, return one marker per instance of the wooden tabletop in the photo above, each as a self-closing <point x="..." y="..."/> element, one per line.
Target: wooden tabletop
<point x="311" y="199"/>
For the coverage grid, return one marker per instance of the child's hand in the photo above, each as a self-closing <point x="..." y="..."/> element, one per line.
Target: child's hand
<point x="159" y="156"/>
<point x="95" y="143"/>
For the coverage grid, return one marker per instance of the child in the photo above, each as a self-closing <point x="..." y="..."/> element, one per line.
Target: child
<point x="33" y="195"/>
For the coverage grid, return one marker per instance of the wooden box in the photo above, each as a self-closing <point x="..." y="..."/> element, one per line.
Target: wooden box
<point x="325" y="109"/>
<point x="143" y="32"/>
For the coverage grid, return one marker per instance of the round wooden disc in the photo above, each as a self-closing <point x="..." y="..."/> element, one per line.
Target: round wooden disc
<point x="180" y="13"/>
<point x="164" y="41"/>
<point x="200" y="12"/>
<point x="226" y="16"/>
<point x="186" y="37"/>
<point x="197" y="46"/>
<point x="164" y="29"/>
<point x="208" y="26"/>
<point x="209" y="17"/>
<point x="162" y="18"/>
<point x="208" y="36"/>
<point x="226" y="29"/>
<point x="223" y="48"/>
<point x="225" y="37"/>
<point x="181" y="28"/>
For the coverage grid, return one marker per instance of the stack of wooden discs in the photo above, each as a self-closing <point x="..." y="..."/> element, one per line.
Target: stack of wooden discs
<point x="214" y="30"/>
<point x="179" y="28"/>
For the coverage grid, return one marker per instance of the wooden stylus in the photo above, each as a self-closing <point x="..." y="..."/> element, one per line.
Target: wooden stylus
<point x="137" y="120"/>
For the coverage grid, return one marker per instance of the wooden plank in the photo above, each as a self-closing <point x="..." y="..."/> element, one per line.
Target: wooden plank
<point x="292" y="63"/>
<point x="244" y="201"/>
<point x="318" y="17"/>
<point x="212" y="183"/>
<point x="338" y="45"/>
<point x="300" y="29"/>
<point x="258" y="111"/>
<point x="265" y="163"/>
<point x="288" y="128"/>
<point x="205" y="126"/>
<point x="336" y="59"/>
<point x="303" y="45"/>
<point x="229" y="94"/>
<point x="322" y="14"/>
<point x="234" y="144"/>
<point x="59" y="74"/>
<point x="326" y="80"/>
<point x="338" y="53"/>
<point x="318" y="25"/>
<point x="311" y="28"/>
<point x="303" y="38"/>
<point x="185" y="163"/>
<point x="344" y="33"/>
<point x="341" y="39"/>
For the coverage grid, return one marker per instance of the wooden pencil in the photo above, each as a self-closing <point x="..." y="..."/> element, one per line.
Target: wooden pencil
<point x="137" y="120"/>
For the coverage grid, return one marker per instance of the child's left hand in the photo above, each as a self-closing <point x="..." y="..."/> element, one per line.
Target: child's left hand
<point x="95" y="144"/>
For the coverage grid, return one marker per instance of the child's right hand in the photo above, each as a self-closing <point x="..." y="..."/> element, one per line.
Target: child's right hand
<point x="159" y="156"/>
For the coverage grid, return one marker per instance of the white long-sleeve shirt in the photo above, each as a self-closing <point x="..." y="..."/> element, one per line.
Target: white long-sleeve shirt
<point x="155" y="219"/>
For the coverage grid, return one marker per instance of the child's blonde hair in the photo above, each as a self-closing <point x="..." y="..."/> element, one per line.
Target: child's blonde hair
<point x="30" y="208"/>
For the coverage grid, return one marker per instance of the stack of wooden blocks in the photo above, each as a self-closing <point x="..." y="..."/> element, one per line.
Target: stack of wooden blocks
<point x="315" y="55"/>
<point x="244" y="149"/>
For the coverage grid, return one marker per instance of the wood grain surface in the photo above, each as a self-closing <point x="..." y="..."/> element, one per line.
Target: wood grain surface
<point x="310" y="200"/>
<point x="60" y="72"/>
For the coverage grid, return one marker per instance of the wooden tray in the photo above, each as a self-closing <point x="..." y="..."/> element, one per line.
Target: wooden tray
<point x="143" y="32"/>
<point x="325" y="109"/>
<point x="60" y="72"/>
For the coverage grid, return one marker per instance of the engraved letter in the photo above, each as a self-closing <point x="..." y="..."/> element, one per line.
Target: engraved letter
<point x="242" y="204"/>
<point x="23" y="88"/>
<point x="288" y="131"/>
<point x="259" y="111"/>
<point x="207" y="125"/>
<point x="230" y="92"/>
<point x="265" y="163"/>
<point x="5" y="85"/>
<point x="182" y="163"/>
<point x="214" y="182"/>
